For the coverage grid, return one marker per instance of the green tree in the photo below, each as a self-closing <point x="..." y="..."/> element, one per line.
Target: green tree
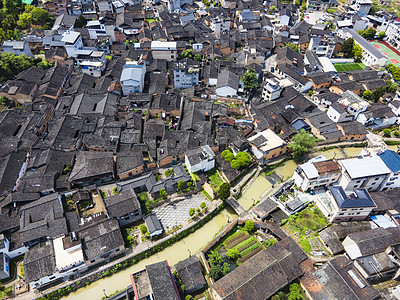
<point x="250" y="80"/>
<point x="391" y="87"/>
<point x="374" y="9"/>
<point x="203" y="205"/>
<point x="279" y="296"/>
<point x="224" y="191"/>
<point x="367" y="94"/>
<point x="190" y="297"/>
<point x="80" y="22"/>
<point x="232" y="254"/>
<point x="225" y="153"/>
<point x="378" y="93"/>
<point x="163" y="193"/>
<point x="272" y="9"/>
<point x="347" y="47"/>
<point x="249" y="226"/>
<point x="225" y="269"/>
<point x="143" y="229"/>
<point x="40" y="16"/>
<point x="24" y="20"/>
<point x="215" y="258"/>
<point x="368" y="33"/>
<point x="235" y="164"/>
<point x="381" y="35"/>
<point x="186" y="54"/>
<point x="229" y="156"/>
<point x="191" y="212"/>
<point x="293" y="46"/>
<point x="197" y="57"/>
<point x="181" y="185"/>
<point x="387" y="132"/>
<point x="243" y="158"/>
<point x="358" y="51"/>
<point x="301" y="144"/>
<point x="216" y="272"/>
<point x="295" y="292"/>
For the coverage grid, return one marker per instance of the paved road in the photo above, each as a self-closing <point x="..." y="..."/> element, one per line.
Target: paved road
<point x="178" y="213"/>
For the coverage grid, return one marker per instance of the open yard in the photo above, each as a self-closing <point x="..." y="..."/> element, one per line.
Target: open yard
<point x="214" y="179"/>
<point x="306" y="224"/>
<point x="345" y="67"/>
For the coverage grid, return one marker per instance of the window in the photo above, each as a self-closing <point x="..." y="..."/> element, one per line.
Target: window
<point x="341" y="214"/>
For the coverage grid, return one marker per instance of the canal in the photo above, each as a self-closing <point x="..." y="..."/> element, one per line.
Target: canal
<point x="174" y="253"/>
<point x="197" y="240"/>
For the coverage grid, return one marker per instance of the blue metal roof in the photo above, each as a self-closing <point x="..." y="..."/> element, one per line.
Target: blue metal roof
<point x="391" y="160"/>
<point x="360" y="198"/>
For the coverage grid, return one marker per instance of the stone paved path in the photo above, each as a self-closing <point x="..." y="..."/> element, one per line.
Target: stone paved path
<point x="175" y="214"/>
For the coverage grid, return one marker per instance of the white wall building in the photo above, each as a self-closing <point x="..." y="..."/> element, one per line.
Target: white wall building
<point x="318" y="172"/>
<point x="98" y="29"/>
<point x="271" y="90"/>
<point x="364" y="172"/>
<point x="132" y="77"/>
<point x="186" y="74"/>
<point x="4" y="266"/>
<point x="5" y="248"/>
<point x="164" y="50"/>
<point x="220" y="25"/>
<point x="339" y="206"/>
<point x="73" y="42"/>
<point x="201" y="159"/>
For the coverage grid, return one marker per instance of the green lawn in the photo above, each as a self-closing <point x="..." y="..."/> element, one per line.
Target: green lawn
<point x="306" y="224"/>
<point x="150" y="20"/>
<point x="349" y="67"/>
<point x="214" y="179"/>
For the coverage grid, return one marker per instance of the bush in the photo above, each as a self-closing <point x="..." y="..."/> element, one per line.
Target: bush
<point x="224" y="191"/>
<point x="249" y="226"/>
<point x="169" y="172"/>
<point x="387" y="132"/>
<point x="396" y="133"/>
<point x="191" y="212"/>
<point x="143" y="229"/>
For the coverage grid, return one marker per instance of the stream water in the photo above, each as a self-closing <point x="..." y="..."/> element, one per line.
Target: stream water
<point x="197" y="240"/>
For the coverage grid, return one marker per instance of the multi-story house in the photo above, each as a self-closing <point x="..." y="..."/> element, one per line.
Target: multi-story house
<point x="132" y="77"/>
<point x="4" y="266"/>
<point x="322" y="46"/>
<point x="318" y="172"/>
<point x="393" y="34"/>
<point x="339" y="206"/>
<point x="175" y="5"/>
<point x="201" y="159"/>
<point x="363" y="6"/>
<point x="392" y="161"/>
<point x="271" y="90"/>
<point x="164" y="50"/>
<point x="220" y="24"/>
<point x="73" y="42"/>
<point x="186" y="74"/>
<point x="366" y="172"/>
<point x="99" y="29"/>
<point x="56" y="7"/>
<point x="267" y="145"/>
<point x="78" y="7"/>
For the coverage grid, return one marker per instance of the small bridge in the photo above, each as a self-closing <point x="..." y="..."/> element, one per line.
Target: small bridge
<point x="236" y="206"/>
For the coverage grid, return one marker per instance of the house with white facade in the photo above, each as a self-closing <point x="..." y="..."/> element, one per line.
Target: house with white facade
<point x="201" y="159"/>
<point x="271" y="90"/>
<point x="318" y="172"/>
<point x="227" y="84"/>
<point x="186" y="74"/>
<point x="153" y="225"/>
<point x="370" y="56"/>
<point x="393" y="34"/>
<point x="339" y="206"/>
<point x="99" y="29"/>
<point x="353" y="103"/>
<point x="73" y="42"/>
<point x="220" y="24"/>
<point x="266" y="145"/>
<point x="132" y="77"/>
<point x="377" y="116"/>
<point x="392" y="161"/>
<point x="363" y="172"/>
<point x="363" y="6"/>
<point x="9" y="250"/>
<point x="17" y="48"/>
<point x="164" y="50"/>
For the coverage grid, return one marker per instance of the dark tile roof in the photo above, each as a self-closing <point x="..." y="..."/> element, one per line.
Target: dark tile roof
<point x="190" y="272"/>
<point x="100" y="238"/>
<point x="122" y="203"/>
<point x="42" y="218"/>
<point x="161" y="281"/>
<point x="266" y="273"/>
<point x="92" y="164"/>
<point x="338" y="279"/>
<point x="39" y="262"/>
